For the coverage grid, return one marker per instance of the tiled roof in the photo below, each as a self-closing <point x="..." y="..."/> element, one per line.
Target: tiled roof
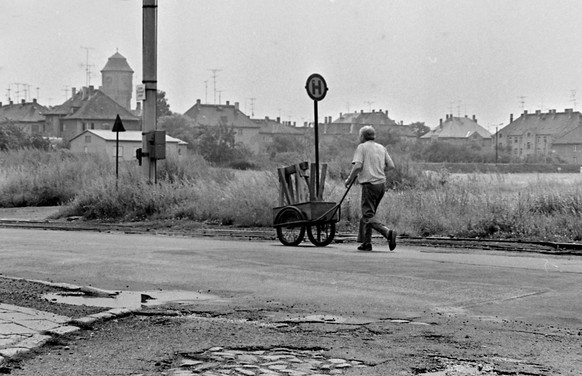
<point x="91" y="104"/>
<point x="365" y="118"/>
<point x="117" y="63"/>
<point x="275" y="127"/>
<point x="573" y="137"/>
<point x="215" y="114"/>
<point x="22" y="112"/>
<point x="550" y="123"/>
<point x="458" y="127"/>
<point x="132" y="136"/>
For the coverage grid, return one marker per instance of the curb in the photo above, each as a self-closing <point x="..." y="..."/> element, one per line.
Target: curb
<point x="42" y="337"/>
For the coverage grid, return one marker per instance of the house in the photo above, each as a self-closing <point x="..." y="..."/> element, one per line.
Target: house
<point x="28" y="116"/>
<point x="532" y="135"/>
<point x="270" y="128"/>
<point x="97" y="141"/>
<point x="214" y="115"/>
<point x="459" y="131"/>
<point x="352" y="122"/>
<point x="569" y="146"/>
<point x="87" y="108"/>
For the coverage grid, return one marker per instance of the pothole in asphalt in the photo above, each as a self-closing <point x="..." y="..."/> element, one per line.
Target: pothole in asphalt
<point x="128" y="299"/>
<point x="275" y="361"/>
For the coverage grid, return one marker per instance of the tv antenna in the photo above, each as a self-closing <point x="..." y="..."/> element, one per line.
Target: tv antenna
<point x="252" y="106"/>
<point x="369" y="103"/>
<point x="522" y="101"/>
<point x="573" y="98"/>
<point x="87" y="66"/>
<point x="214" y="71"/>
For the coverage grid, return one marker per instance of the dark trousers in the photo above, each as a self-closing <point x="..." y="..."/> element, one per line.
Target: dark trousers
<point x="371" y="196"/>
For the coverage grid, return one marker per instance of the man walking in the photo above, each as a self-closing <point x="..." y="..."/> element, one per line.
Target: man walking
<point x="370" y="163"/>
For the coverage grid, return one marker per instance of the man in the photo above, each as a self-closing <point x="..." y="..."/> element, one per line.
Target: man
<point x="370" y="163"/>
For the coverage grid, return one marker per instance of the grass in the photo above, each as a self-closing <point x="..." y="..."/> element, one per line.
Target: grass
<point x="509" y="206"/>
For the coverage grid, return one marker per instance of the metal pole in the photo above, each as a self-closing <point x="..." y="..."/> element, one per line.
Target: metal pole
<point x="316" y="151"/>
<point x="116" y="155"/>
<point x="150" y="54"/>
<point x="496" y="144"/>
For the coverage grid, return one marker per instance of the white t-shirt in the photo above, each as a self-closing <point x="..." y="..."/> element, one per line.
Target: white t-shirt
<point x="374" y="159"/>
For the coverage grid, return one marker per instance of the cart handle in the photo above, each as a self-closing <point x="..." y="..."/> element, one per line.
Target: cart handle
<point x="336" y="207"/>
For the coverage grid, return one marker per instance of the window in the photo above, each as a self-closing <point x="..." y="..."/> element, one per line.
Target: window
<point x="92" y="125"/>
<point x="528" y="145"/>
<point x="515" y="140"/>
<point x="87" y="139"/>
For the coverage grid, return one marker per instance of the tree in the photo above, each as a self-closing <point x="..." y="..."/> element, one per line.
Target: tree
<point x="181" y="127"/>
<point x="162" y="105"/>
<point x="419" y="128"/>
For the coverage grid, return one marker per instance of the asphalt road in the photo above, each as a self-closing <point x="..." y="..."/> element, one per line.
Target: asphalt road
<point x="497" y="293"/>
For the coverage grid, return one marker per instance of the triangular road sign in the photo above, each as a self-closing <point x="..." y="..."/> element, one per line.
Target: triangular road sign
<point x="118" y="125"/>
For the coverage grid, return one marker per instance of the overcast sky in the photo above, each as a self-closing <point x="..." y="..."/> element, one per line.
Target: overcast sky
<point x="418" y="59"/>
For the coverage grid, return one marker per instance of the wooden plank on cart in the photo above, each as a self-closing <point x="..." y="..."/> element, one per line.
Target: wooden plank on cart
<point x="284" y="191"/>
<point x="322" y="183"/>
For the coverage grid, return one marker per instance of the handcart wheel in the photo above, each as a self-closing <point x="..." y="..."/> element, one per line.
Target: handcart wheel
<point x="321" y="234"/>
<point x="293" y="233"/>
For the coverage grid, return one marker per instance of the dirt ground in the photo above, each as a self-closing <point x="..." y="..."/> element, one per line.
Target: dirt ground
<point x="179" y="340"/>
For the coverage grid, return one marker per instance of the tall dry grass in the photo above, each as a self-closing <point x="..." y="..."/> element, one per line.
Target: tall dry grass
<point x="517" y="206"/>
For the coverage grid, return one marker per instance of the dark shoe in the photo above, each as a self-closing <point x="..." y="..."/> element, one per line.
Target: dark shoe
<point x="391" y="240"/>
<point x="365" y="247"/>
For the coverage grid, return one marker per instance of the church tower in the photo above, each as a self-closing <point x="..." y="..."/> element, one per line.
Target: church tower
<point x="117" y="80"/>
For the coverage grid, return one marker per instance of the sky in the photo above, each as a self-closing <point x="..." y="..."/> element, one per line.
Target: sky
<point x="417" y="59"/>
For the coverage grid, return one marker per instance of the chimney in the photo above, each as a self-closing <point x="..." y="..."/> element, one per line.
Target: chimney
<point x="23" y="101"/>
<point x="0" y="104"/>
<point x="525" y="112"/>
<point x="236" y="106"/>
<point x="33" y="100"/>
<point x="511" y="118"/>
<point x="294" y="123"/>
<point x="73" y="92"/>
<point x="11" y="102"/>
<point x="228" y="103"/>
<point x="386" y="112"/>
<point x="361" y="111"/>
<point x="341" y="115"/>
<point x="474" y="119"/>
<point x="373" y="110"/>
<point x="266" y="118"/>
<point x="91" y="89"/>
<point x="538" y="112"/>
<point x="441" y="123"/>
<point x="278" y="119"/>
<point x="197" y="101"/>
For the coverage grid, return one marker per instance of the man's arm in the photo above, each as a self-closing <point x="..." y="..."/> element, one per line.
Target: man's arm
<point x="356" y="168"/>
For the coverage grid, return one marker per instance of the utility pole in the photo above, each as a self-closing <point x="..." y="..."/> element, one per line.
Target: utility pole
<point x="150" y="80"/>
<point x="214" y="71"/>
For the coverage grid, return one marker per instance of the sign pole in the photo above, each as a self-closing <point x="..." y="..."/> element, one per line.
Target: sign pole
<point x="316" y="89"/>
<point x="316" y="131"/>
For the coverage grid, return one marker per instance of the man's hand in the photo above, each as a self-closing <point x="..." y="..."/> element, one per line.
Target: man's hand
<point x="347" y="183"/>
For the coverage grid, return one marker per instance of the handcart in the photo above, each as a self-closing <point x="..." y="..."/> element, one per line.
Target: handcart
<point x="302" y="208"/>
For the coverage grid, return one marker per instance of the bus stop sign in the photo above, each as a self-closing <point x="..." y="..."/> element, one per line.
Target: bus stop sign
<point x="316" y="87"/>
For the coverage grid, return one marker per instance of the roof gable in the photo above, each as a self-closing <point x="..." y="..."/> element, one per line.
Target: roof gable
<point x="89" y="103"/>
<point x="127" y="136"/>
<point x="117" y="63"/>
<point x="269" y="126"/>
<point x="459" y="127"/>
<point x="550" y="123"/>
<point x="217" y="114"/>
<point x="23" y="112"/>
